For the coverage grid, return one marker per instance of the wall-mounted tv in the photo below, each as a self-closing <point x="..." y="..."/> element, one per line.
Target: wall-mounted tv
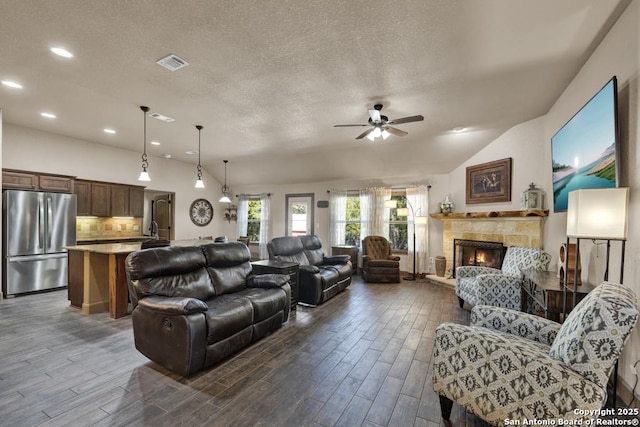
<point x="584" y="151"/>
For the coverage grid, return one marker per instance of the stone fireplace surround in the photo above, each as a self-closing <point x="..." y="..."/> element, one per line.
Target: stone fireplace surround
<point x="511" y="228"/>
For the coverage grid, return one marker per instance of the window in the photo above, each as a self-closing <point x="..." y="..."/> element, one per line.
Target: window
<point x="352" y="222"/>
<point x="398" y="229"/>
<point x="254" y="216"/>
<point x="349" y="220"/>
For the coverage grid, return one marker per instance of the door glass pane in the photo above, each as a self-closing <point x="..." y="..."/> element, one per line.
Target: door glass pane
<point x="299" y="214"/>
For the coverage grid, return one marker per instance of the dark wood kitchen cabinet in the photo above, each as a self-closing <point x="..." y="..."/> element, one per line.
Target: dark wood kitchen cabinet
<point x="35" y="181"/>
<point x="105" y="199"/>
<point x="100" y="199"/>
<point x="119" y="200"/>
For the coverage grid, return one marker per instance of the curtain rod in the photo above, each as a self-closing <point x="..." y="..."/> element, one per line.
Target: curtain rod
<point x="254" y="195"/>
<point x="390" y="188"/>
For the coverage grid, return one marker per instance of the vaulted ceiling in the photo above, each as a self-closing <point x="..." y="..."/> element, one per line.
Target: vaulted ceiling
<point x="268" y="80"/>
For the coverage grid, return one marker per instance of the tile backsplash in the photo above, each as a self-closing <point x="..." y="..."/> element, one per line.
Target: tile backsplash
<point x="97" y="228"/>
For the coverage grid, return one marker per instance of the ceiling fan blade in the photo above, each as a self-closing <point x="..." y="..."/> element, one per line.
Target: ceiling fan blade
<point x="375" y="116"/>
<point x="406" y="120"/>
<point x="365" y="133"/>
<point x="344" y="126"/>
<point x="396" y="132"/>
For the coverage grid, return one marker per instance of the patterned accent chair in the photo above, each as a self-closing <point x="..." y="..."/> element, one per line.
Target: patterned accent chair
<point x="378" y="265"/>
<point x="500" y="288"/>
<point x="510" y="365"/>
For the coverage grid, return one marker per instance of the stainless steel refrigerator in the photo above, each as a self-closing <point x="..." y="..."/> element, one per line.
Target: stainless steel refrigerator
<point x="35" y="229"/>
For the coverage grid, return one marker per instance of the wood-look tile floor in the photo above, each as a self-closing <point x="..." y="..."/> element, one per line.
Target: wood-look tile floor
<point x="361" y="359"/>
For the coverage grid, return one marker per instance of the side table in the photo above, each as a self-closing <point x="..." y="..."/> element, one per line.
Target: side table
<point x="269" y="266"/>
<point x="352" y="251"/>
<point x="545" y="290"/>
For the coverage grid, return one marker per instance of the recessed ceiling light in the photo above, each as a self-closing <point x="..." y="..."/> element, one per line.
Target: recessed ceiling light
<point x="166" y="156"/>
<point x="458" y="129"/>
<point x="62" y="52"/>
<point x="154" y="143"/>
<point x="191" y="152"/>
<point x="111" y="131"/>
<point x="12" y="84"/>
<point x="48" y="115"/>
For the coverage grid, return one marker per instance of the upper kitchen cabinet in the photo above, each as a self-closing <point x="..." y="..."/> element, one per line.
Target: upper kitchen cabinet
<point x="106" y="199"/>
<point x="34" y="181"/>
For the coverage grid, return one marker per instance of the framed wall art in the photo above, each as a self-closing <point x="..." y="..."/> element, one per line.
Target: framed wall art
<point x="489" y="182"/>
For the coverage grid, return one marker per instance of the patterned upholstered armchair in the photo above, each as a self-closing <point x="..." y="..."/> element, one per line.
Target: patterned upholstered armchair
<point x="378" y="265"/>
<point x="510" y="365"/>
<point x="500" y="288"/>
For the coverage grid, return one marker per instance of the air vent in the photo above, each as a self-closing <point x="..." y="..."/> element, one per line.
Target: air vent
<point x="162" y="117"/>
<point x="172" y="62"/>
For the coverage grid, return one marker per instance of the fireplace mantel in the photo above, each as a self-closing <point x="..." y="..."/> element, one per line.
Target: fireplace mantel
<point x="491" y="214"/>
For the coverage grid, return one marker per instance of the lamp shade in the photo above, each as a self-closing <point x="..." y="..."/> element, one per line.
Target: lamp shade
<point x="402" y="211"/>
<point x="420" y="219"/>
<point x="391" y="203"/>
<point x="598" y="213"/>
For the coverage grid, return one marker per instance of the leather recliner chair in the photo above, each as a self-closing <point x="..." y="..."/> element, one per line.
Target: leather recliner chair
<point x="378" y="265"/>
<point x="320" y="277"/>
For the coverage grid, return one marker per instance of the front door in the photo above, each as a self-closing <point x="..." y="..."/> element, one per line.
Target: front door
<point x="299" y="214"/>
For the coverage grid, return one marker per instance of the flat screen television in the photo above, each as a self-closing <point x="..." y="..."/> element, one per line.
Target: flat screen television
<point x="585" y="150"/>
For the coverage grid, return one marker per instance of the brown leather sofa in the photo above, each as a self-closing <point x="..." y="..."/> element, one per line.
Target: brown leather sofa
<point x="378" y="264"/>
<point x="196" y="305"/>
<point x="320" y="277"/>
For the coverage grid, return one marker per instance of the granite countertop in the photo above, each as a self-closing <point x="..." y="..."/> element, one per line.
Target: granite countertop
<point x="125" y="248"/>
<point x="113" y="239"/>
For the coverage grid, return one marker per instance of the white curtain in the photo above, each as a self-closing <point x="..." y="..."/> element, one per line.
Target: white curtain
<point x="242" y="214"/>
<point x="418" y="197"/>
<point x="265" y="219"/>
<point x="374" y="217"/>
<point x="337" y="217"/>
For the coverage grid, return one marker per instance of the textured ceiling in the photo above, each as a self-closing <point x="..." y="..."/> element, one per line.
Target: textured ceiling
<point x="269" y="79"/>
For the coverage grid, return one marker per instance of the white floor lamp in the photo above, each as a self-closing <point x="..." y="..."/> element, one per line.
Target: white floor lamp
<point x="597" y="214"/>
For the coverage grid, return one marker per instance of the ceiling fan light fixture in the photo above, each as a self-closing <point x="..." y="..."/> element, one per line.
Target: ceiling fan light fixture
<point x="225" y="190"/>
<point x="371" y="137"/>
<point x="144" y="175"/>
<point x="377" y="132"/>
<point x="385" y="134"/>
<point x="199" y="182"/>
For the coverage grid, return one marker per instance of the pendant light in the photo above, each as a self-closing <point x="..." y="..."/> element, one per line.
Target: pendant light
<point x="199" y="183"/>
<point x="225" y="190"/>
<point x="144" y="175"/>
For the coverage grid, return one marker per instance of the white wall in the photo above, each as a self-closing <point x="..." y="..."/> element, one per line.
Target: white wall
<point x="33" y="150"/>
<point x="529" y="144"/>
<point x="321" y="215"/>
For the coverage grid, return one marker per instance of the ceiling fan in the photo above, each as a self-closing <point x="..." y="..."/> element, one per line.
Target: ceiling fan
<point x="380" y="124"/>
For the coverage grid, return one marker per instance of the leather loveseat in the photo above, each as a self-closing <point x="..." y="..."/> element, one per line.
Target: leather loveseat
<point x="196" y="305"/>
<point x="320" y="277"/>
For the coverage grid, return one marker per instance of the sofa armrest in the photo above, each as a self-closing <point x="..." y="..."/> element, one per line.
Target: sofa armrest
<point x="267" y="281"/>
<point x="482" y="369"/>
<point x="309" y="269"/>
<point x="173" y="306"/>
<point x="473" y="271"/>
<point x="336" y="259"/>
<point x="393" y="258"/>
<point x="516" y="323"/>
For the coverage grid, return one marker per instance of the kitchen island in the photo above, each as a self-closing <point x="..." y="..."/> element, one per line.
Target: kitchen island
<point x="97" y="278"/>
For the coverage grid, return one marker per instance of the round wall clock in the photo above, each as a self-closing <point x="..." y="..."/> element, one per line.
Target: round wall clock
<point x="201" y="212"/>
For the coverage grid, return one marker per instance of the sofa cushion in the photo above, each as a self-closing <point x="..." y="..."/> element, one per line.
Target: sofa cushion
<point x="592" y="337"/>
<point x="289" y="249"/>
<point x="265" y="302"/>
<point x="313" y="249"/>
<point x="228" y="265"/>
<point x="344" y="270"/>
<point x="227" y="315"/>
<point x="175" y="271"/>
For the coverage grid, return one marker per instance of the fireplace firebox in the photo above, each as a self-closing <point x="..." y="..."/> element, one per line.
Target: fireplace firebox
<point x="477" y="252"/>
